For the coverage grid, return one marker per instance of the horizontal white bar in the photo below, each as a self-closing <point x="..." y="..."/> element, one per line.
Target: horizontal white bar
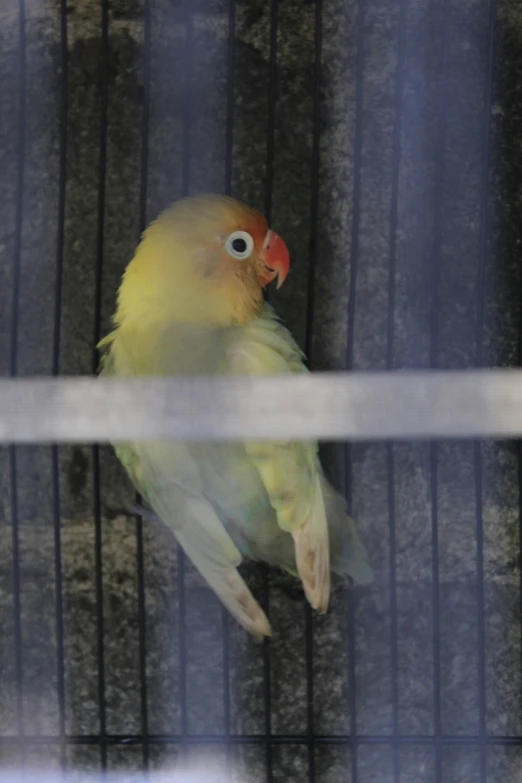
<point x="31" y="776"/>
<point x="327" y="406"/>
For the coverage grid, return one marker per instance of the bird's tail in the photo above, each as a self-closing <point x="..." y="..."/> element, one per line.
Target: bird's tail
<point x="348" y="556"/>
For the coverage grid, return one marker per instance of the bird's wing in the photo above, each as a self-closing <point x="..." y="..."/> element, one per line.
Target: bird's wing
<point x="290" y="471"/>
<point x="170" y="480"/>
<point x="168" y="476"/>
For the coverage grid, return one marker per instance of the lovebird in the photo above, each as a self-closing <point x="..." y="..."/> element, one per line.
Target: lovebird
<point x="191" y="302"/>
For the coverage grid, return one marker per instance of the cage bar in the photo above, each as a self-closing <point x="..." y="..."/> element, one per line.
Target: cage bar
<point x="187" y="122"/>
<point x="351" y="604"/>
<point x="56" y="506"/>
<point x="98" y="545"/>
<point x="399" y="74"/>
<point x="13" y="365"/>
<point x="468" y="740"/>
<point x="313" y="252"/>
<point x="327" y="406"/>
<point x="478" y="468"/>
<point x="434" y="359"/>
<point x="229" y="146"/>
<point x="140" y="557"/>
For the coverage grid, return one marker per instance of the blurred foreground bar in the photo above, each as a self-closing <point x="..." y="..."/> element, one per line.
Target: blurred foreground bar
<point x="28" y="776"/>
<point x="327" y="406"/>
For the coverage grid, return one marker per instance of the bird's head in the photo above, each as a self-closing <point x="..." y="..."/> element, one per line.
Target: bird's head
<point x="205" y="259"/>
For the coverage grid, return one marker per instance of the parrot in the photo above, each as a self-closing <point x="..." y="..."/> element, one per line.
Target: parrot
<point x="192" y="302"/>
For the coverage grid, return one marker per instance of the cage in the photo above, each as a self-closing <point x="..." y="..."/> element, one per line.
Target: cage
<point x="382" y="139"/>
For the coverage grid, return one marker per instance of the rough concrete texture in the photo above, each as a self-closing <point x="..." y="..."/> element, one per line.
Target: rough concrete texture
<point x="426" y="244"/>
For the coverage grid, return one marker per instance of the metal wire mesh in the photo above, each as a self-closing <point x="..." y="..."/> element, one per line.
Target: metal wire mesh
<point x="427" y="279"/>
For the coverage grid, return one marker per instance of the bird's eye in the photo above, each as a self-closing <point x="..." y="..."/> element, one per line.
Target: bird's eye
<point x="239" y="244"/>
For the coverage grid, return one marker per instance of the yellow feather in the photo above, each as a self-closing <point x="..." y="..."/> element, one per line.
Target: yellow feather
<point x="180" y="303"/>
<point x="176" y="275"/>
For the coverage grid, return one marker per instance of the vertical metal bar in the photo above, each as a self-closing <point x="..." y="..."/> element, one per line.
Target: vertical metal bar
<point x="315" y="178"/>
<point x="142" y="632"/>
<point x="478" y="361"/>
<point x="229" y="144"/>
<point x="516" y="165"/>
<point x="60" y="673"/>
<point x="182" y="648"/>
<point x="272" y="102"/>
<point x="514" y="116"/>
<point x="434" y="339"/>
<point x="269" y="187"/>
<point x="187" y="111"/>
<point x="354" y="261"/>
<point x="97" y="320"/>
<point x="356" y="210"/>
<point x="142" y="616"/>
<point x="187" y="102"/>
<point x="267" y="685"/>
<point x="312" y="264"/>
<point x="13" y="366"/>
<point x="231" y="51"/>
<point x="399" y="78"/>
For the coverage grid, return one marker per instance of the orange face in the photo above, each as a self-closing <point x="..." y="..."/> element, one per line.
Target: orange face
<point x="253" y="244"/>
<point x="206" y="258"/>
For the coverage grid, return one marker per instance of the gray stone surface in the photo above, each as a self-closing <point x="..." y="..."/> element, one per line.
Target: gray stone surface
<point x="440" y="245"/>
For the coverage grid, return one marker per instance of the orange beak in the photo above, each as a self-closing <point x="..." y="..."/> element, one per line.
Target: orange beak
<point x="277" y="259"/>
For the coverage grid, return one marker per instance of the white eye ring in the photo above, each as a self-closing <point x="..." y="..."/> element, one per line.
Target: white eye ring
<point x="244" y="244"/>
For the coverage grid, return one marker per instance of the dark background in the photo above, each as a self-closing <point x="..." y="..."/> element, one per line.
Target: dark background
<point x="383" y="138"/>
